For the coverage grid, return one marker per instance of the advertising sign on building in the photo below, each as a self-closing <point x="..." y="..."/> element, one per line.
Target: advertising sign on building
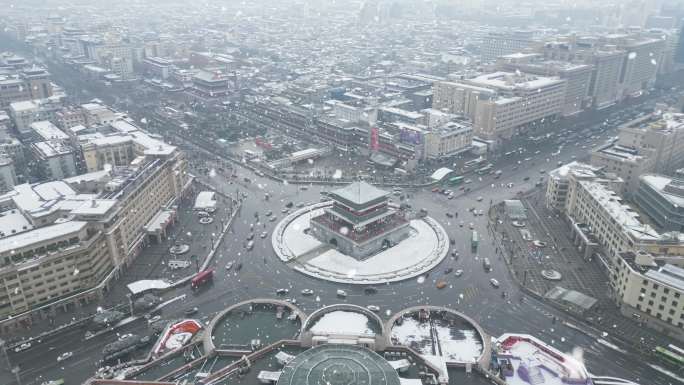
<point x="374" y="140"/>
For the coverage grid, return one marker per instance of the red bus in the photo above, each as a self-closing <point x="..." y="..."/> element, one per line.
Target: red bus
<point x="201" y="278"/>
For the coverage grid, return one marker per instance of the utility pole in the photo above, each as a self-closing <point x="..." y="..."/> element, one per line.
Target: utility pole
<point x="16" y="371"/>
<point x="3" y="347"/>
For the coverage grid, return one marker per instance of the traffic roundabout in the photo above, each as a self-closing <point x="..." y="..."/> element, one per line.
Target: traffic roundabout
<point x="426" y="245"/>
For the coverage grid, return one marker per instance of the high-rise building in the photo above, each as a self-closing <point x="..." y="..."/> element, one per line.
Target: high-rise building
<point x="497" y="44"/>
<point x="577" y="76"/>
<point x="679" y="52"/>
<point x="640" y="66"/>
<point x="605" y="81"/>
<point x="522" y="102"/>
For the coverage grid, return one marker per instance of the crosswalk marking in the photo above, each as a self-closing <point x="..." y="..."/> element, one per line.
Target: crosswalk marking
<point x="470" y="292"/>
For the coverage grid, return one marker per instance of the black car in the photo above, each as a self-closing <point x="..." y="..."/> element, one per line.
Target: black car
<point x="191" y="311"/>
<point x="448" y="270"/>
<point x="526" y="178"/>
<point x="370" y="290"/>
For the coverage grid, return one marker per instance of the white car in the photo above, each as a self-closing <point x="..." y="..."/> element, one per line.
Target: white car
<point x="153" y="319"/>
<point x="263" y="235"/>
<point x="124" y="336"/>
<point x="64" y="356"/>
<point x="373" y="308"/>
<point x="518" y="224"/>
<point x="229" y="265"/>
<point x="282" y="291"/>
<point x="458" y="273"/>
<point x="22" y="347"/>
<point x="539" y="243"/>
<point x="494" y="282"/>
<point x="471" y="225"/>
<point x="307" y="292"/>
<point x="341" y="293"/>
<point x="479" y="199"/>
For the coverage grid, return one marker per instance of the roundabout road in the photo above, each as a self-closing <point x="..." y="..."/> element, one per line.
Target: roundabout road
<point x="424" y="249"/>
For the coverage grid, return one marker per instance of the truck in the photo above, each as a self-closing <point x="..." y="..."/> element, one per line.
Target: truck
<point x="201" y="278"/>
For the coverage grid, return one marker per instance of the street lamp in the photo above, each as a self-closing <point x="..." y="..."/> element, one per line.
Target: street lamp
<point x="195" y="259"/>
<point x="16" y="371"/>
<point x="3" y="347"/>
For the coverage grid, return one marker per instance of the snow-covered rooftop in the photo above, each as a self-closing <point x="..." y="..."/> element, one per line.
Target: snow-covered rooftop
<point x="95" y="207"/>
<point x="577" y="168"/>
<point x="511" y="81"/>
<point x="12" y="222"/>
<point x="343" y="322"/>
<point x="39" y="235"/>
<point x="205" y="200"/>
<point x="534" y="362"/>
<point x="440" y="173"/>
<point x="48" y="131"/>
<point x="660" y="182"/>
<point x="670" y="275"/>
<point x="622" y="213"/>
<point x="359" y="193"/>
<point x="52" y="148"/>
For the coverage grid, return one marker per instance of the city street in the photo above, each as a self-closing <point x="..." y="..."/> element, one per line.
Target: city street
<point x="259" y="273"/>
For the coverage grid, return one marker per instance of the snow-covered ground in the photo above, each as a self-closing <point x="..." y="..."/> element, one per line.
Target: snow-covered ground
<point x="175" y="341"/>
<point x="426" y="246"/>
<point x="343" y="322"/>
<point x="458" y="344"/>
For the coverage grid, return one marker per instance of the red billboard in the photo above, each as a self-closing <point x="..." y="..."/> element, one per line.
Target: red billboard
<point x="374" y="140"/>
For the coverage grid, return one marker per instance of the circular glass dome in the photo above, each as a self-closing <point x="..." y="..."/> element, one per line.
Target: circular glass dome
<point x="338" y="365"/>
